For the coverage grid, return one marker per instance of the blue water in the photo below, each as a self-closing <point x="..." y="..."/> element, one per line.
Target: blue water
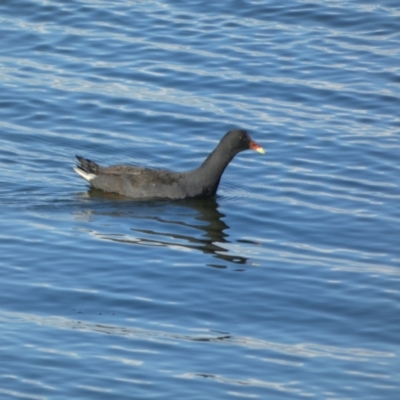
<point x="284" y="286"/>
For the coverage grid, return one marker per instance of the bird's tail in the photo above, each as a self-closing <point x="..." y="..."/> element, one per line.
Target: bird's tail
<point x="86" y="169"/>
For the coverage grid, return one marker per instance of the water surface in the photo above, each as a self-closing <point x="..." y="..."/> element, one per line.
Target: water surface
<point x="286" y="285"/>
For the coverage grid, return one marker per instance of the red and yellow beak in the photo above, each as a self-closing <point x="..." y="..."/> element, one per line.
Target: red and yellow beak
<point x="256" y="147"/>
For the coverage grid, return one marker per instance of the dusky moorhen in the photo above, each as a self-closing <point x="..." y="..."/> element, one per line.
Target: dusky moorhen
<point x="141" y="183"/>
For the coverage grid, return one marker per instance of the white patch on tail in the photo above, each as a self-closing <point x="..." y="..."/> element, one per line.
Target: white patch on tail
<point x="84" y="174"/>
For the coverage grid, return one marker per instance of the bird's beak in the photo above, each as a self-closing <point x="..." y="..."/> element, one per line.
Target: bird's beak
<point x="256" y="147"/>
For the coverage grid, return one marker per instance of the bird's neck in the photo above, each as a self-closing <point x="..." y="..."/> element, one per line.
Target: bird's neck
<point x="213" y="167"/>
<point x="217" y="161"/>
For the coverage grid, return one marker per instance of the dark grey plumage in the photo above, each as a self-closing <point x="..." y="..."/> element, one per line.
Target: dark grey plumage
<point x="140" y="183"/>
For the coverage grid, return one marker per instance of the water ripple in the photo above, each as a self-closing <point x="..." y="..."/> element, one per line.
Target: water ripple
<point x="111" y="295"/>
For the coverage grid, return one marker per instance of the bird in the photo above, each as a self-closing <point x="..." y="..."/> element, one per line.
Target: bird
<point x="146" y="183"/>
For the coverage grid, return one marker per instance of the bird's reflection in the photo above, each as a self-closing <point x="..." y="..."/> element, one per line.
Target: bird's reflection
<point x="199" y="214"/>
